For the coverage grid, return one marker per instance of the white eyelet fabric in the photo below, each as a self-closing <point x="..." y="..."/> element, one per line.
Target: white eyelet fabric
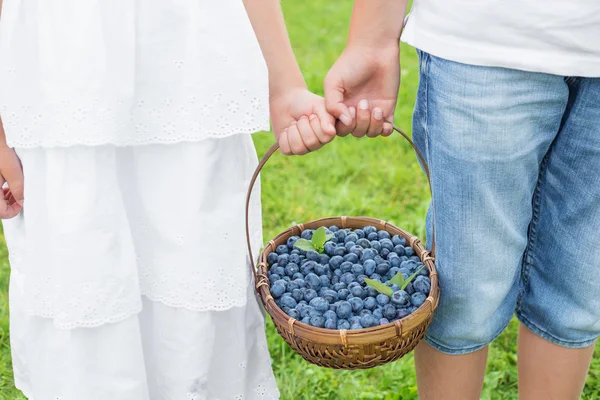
<point x="130" y="72"/>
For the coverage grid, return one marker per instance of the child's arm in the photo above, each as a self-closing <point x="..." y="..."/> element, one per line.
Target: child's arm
<point x="11" y="198"/>
<point x="299" y="118"/>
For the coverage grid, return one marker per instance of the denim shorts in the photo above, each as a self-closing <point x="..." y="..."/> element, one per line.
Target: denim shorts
<point x="515" y="164"/>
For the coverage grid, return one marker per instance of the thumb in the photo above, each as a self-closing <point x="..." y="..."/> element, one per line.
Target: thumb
<point x="334" y="102"/>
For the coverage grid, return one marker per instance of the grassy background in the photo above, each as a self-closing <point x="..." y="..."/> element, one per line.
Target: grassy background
<point x="378" y="178"/>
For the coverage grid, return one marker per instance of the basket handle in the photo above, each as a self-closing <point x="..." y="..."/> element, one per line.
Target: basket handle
<point x="275" y="147"/>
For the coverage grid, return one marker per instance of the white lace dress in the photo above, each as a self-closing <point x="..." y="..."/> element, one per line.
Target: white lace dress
<point x="129" y="275"/>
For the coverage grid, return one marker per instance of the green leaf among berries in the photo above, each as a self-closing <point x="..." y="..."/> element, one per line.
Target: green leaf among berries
<point x="380" y="287"/>
<point x="304" y="244"/>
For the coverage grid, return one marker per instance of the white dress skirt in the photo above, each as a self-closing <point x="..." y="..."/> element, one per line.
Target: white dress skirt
<point x="130" y="277"/>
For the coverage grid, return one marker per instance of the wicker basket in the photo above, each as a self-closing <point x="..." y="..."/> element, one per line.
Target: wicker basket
<point x="342" y="349"/>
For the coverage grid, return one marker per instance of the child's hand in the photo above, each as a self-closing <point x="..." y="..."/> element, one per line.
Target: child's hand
<point x="11" y="197"/>
<point x="300" y="121"/>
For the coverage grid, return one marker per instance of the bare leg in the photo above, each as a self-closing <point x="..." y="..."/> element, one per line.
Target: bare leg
<point x="548" y="371"/>
<point x="447" y="377"/>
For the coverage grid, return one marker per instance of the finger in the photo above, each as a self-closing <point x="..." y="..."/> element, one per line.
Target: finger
<point x="315" y="124"/>
<point x="327" y="124"/>
<point x="345" y="130"/>
<point x="376" y="124"/>
<point x="308" y="135"/>
<point x="363" y="119"/>
<point x="9" y="208"/>
<point x="387" y="129"/>
<point x="334" y="102"/>
<point x="284" y="143"/>
<point x="296" y="144"/>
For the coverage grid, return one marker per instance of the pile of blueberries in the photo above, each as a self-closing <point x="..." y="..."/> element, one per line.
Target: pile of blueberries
<point x="328" y="290"/>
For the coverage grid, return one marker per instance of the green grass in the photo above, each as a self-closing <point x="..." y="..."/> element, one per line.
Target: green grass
<point x="378" y="178"/>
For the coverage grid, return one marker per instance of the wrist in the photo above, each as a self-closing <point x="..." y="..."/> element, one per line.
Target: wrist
<point x="284" y="83"/>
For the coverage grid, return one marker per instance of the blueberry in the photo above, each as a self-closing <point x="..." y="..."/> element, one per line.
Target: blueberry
<point x="310" y="294"/>
<point x="333" y="307"/>
<point x="288" y="301"/>
<point x="323" y="259"/>
<point x="369" y="229"/>
<point x="298" y="275"/>
<point x="272" y="258"/>
<point x="370" y="303"/>
<point x="383" y="268"/>
<point x="361" y="279"/>
<point x="283" y="259"/>
<point x="399" y="249"/>
<point x="291" y="286"/>
<point x="375" y="245"/>
<point x="338" y="273"/>
<point x="409" y="251"/>
<point x="351" y="257"/>
<point x="320" y="304"/>
<point x="372" y="236"/>
<point x="317" y="321"/>
<point x="307" y="234"/>
<point x="291" y="242"/>
<point x="274" y="277"/>
<point x="306" y="320"/>
<point x="352" y="237"/>
<point x="344" y="310"/>
<point x="355" y="318"/>
<point x="321" y="269"/>
<point x="364" y="243"/>
<point x="298" y="294"/>
<point x="330" y="324"/>
<point x="281" y="282"/>
<point x="369" y="266"/>
<point x="325" y="281"/>
<point x="357" y="304"/>
<point x="424" y="272"/>
<point x="330" y="315"/>
<point x="336" y="261"/>
<point x="413" y="309"/>
<point x="401" y="298"/>
<point x="349" y="245"/>
<point x="352" y="285"/>
<point x="329" y="249"/>
<point x="389" y="311"/>
<point x="291" y="269"/>
<point x="347" y="278"/>
<point x="282" y="249"/>
<point x="422" y="284"/>
<point x="368" y="254"/>
<point x="295" y="251"/>
<point x="343" y="294"/>
<point x="339" y="251"/>
<point x="355" y="325"/>
<point x="360" y="233"/>
<point x="286" y="279"/>
<point x="338" y="286"/>
<point x="394" y="287"/>
<point x="398" y="240"/>
<point x="293" y="313"/>
<point x="383" y="321"/>
<point x="358" y="292"/>
<point x="383" y="234"/>
<point x="375" y="277"/>
<point x="343" y="324"/>
<point x="330" y="295"/>
<point x="386" y="244"/>
<point x="417" y="299"/>
<point x="384" y="253"/>
<point x="334" y="228"/>
<point x="379" y="260"/>
<point x="372" y="292"/>
<point x="377" y="313"/>
<point x="356" y="250"/>
<point x="335" y="279"/>
<point x="277" y="290"/>
<point x="322" y="291"/>
<point x="368" y="321"/>
<point x="403" y="312"/>
<point x="300" y="282"/>
<point x="312" y="255"/>
<point x="313" y="281"/>
<point x="358" y="269"/>
<point x="382" y="299"/>
<point x="395" y="262"/>
<point x="346" y="266"/>
<point x="341" y="235"/>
